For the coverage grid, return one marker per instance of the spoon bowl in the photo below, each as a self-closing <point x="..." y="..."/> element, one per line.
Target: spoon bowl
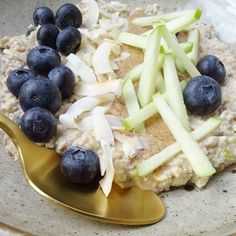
<point x="42" y="170"/>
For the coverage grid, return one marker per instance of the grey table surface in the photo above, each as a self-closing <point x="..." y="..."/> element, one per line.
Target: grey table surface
<point x="210" y="211"/>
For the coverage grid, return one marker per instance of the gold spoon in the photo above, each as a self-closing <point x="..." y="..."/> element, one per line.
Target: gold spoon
<point x="41" y="168"/>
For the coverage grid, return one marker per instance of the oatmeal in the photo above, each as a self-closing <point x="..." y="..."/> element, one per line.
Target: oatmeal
<point x="219" y="146"/>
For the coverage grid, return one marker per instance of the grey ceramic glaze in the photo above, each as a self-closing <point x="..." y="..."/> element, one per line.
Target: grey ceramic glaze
<point x="210" y="211"/>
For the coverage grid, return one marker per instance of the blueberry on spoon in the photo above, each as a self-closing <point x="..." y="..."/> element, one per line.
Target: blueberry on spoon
<point x="64" y="78"/>
<point x="68" y="15"/>
<point x="42" y="59"/>
<point x="40" y="92"/>
<point x="68" y="41"/>
<point x="38" y="124"/>
<point x="43" y="15"/>
<point x="47" y="35"/>
<point x="202" y="95"/>
<point x="17" y="78"/>
<point x="212" y="66"/>
<point x="80" y="165"/>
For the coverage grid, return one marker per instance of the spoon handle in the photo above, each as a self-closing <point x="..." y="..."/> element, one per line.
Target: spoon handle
<point x="26" y="148"/>
<point x="10" y="128"/>
<point x="14" y="132"/>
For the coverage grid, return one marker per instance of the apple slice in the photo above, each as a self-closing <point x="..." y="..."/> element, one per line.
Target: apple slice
<point x="160" y="83"/>
<point x="180" y="23"/>
<point x="149" y="73"/>
<point x="184" y="21"/>
<point x="186" y="46"/>
<point x="132" y="40"/>
<point x="178" y="51"/>
<point x="154" y="162"/>
<point x="146" y="112"/>
<point x="134" y="74"/>
<point x="183" y="84"/>
<point x="140" y="116"/>
<point x="179" y="66"/>
<point x="173" y="91"/>
<point x="131" y="102"/>
<point x="194" y="37"/>
<point x="148" y="20"/>
<point x="198" y="160"/>
<point x="138" y="41"/>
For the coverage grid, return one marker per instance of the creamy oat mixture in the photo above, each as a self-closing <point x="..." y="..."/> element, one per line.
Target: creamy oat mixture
<point x="176" y="172"/>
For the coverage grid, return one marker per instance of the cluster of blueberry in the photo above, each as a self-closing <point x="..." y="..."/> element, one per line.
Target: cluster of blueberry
<point x="42" y="87"/>
<point x="203" y="94"/>
<point x="68" y="18"/>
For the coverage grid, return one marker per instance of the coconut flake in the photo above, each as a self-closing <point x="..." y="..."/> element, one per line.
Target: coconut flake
<point x="118" y="4"/>
<point x="115" y="121"/>
<point x="85" y="32"/>
<point x="99" y="88"/>
<point x="90" y="18"/>
<point x="103" y="159"/>
<point x="101" y="61"/>
<point x="128" y="150"/>
<point x="84" y="104"/>
<point x="80" y="68"/>
<point x="130" y="144"/>
<point x="114" y="66"/>
<point x="104" y="23"/>
<point x="86" y="124"/>
<point x="121" y="23"/>
<point x="106" y="182"/>
<point x="86" y="52"/>
<point x="103" y="133"/>
<point x="102" y="129"/>
<point x="68" y="121"/>
<point x="112" y="76"/>
<point x="100" y="35"/>
<point x="124" y="56"/>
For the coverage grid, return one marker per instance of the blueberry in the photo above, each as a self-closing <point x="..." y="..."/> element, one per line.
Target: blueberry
<point x="40" y="92"/>
<point x="42" y="59"/>
<point x="17" y="78"/>
<point x="43" y="15"/>
<point x="47" y="35"/>
<point x="68" y="41"/>
<point x="38" y="124"/>
<point x="80" y="165"/>
<point x="202" y="95"/>
<point x="64" y="78"/>
<point x="212" y="66"/>
<point x="68" y="15"/>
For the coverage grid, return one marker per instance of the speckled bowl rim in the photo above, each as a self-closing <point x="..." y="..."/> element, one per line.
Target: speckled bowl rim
<point x="20" y="26"/>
